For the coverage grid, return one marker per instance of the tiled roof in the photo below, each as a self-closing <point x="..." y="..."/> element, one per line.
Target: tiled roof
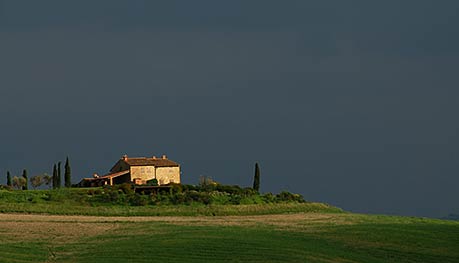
<point x="158" y="162"/>
<point x="113" y="175"/>
<point x="107" y="176"/>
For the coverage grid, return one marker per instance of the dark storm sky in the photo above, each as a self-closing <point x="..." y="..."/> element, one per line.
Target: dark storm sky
<point x="353" y="103"/>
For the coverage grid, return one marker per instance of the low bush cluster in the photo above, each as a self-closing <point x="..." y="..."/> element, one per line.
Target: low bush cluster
<point x="187" y="195"/>
<point x="176" y="194"/>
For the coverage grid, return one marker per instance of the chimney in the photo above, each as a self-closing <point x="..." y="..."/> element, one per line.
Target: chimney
<point x="164" y="157"/>
<point x="125" y="157"/>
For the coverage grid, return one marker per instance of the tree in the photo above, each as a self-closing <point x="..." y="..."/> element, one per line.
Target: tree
<point x="54" y="177"/>
<point x="67" y="173"/>
<point x="47" y="179"/>
<point x="205" y="181"/>
<point x="26" y="184"/>
<point x="18" y="182"/>
<point x="8" y="179"/>
<point x="59" y="178"/>
<point x="256" y="178"/>
<point x="36" y="181"/>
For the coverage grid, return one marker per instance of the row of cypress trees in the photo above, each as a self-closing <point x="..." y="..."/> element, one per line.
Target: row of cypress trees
<point x="56" y="178"/>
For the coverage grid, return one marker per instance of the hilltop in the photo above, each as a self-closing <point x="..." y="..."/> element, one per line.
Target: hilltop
<point x="211" y="224"/>
<point x="187" y="200"/>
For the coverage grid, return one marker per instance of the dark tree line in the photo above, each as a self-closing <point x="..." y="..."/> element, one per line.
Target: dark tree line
<point x="55" y="180"/>
<point x="57" y="175"/>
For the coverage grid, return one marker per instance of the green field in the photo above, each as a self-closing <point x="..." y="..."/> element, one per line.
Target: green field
<point x="298" y="237"/>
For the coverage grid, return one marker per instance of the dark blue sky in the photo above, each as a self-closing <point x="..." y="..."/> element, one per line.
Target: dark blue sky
<point x="353" y="103"/>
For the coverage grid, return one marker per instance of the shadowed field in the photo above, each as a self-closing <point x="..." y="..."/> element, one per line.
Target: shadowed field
<point x="299" y="237"/>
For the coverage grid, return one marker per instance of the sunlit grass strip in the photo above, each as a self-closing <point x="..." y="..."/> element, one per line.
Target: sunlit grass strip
<point x="166" y="210"/>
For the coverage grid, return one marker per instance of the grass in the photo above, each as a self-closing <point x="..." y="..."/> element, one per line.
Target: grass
<point x="196" y="244"/>
<point x="304" y="237"/>
<point x="75" y="202"/>
<point x="61" y="226"/>
<point x="179" y="210"/>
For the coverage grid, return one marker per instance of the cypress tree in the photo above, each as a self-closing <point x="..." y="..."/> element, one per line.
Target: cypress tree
<point x="256" y="178"/>
<point x="24" y="175"/>
<point x="54" y="177"/>
<point x="8" y="179"/>
<point x="67" y="173"/>
<point x="59" y="178"/>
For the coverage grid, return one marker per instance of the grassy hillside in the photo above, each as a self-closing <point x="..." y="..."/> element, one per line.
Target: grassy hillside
<point x="304" y="237"/>
<point x="85" y="202"/>
<point x="58" y="230"/>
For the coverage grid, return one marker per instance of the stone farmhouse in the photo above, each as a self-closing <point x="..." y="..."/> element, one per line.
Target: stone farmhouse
<point x="138" y="170"/>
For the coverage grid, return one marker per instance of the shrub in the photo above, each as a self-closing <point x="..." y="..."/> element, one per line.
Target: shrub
<point x="268" y="198"/>
<point x="175" y="188"/>
<point x="189" y="187"/>
<point x="205" y="199"/>
<point x="160" y="198"/>
<point x="193" y="196"/>
<point x="197" y="197"/>
<point x="138" y="200"/>
<point x="6" y="187"/>
<point x="177" y="195"/>
<point x="251" y="200"/>
<point x="126" y="188"/>
<point x="206" y="181"/>
<point x="220" y="198"/>
<point x="112" y="196"/>
<point x="178" y="198"/>
<point x="285" y="196"/>
<point x="230" y="189"/>
<point x="235" y="199"/>
<point x="249" y="192"/>
<point x="152" y="182"/>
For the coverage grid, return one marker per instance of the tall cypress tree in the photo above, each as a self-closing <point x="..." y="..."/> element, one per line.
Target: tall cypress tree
<point x="26" y="184"/>
<point x="67" y="173"/>
<point x="54" y="177"/>
<point x="59" y="177"/>
<point x="8" y="179"/>
<point x="256" y="178"/>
